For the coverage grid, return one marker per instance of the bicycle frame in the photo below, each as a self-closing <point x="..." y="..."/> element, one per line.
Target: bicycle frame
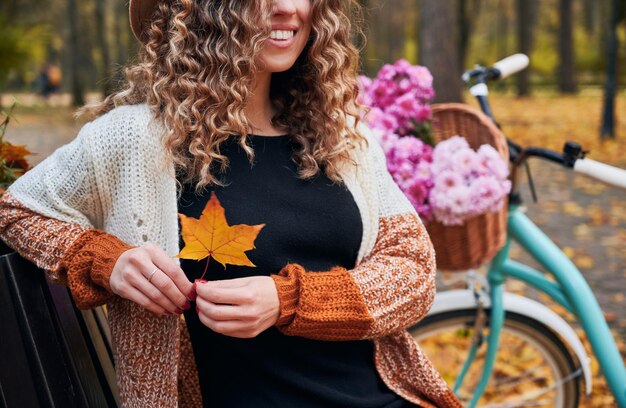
<point x="569" y="289"/>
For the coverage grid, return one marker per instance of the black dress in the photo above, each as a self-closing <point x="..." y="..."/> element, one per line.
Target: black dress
<point x="314" y="223"/>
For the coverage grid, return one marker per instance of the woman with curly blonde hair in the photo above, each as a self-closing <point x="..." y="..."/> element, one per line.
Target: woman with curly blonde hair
<point x="252" y="103"/>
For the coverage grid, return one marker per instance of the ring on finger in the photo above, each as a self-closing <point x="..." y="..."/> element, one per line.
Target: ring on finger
<point x="152" y="274"/>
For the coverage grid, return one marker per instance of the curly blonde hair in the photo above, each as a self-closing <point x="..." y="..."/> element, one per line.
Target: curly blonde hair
<point x="196" y="71"/>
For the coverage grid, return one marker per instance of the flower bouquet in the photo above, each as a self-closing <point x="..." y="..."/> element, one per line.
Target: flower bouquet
<point x="449" y="160"/>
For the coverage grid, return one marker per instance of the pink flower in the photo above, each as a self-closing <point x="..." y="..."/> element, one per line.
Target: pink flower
<point x="464" y="161"/>
<point x="387" y="141"/>
<point x="364" y="82"/>
<point x="423" y="113"/>
<point x="402" y="91"/>
<point x="386" y="73"/>
<point x="449" y="179"/>
<point x="420" y="76"/>
<point x="399" y="98"/>
<point x="378" y="119"/>
<point x="491" y="159"/>
<point x="466" y="183"/>
<point x="422" y="170"/>
<point x="402" y="64"/>
<point x="445" y="149"/>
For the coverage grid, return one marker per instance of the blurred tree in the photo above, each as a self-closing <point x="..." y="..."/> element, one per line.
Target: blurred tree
<point x="124" y="42"/>
<point x="589" y="13"/>
<point x="21" y="47"/>
<point x="566" y="71"/>
<point x="382" y="35"/>
<point x="468" y="15"/>
<point x="526" y="16"/>
<point x="77" y="89"/>
<point x="608" y="116"/>
<point x="503" y="27"/>
<point x="103" y="44"/>
<point x="439" y="47"/>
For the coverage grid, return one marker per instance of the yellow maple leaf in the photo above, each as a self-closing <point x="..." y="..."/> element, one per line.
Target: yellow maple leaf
<point x="211" y="236"/>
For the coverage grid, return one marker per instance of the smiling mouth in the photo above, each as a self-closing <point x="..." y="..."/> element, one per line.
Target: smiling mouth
<point x="282" y="35"/>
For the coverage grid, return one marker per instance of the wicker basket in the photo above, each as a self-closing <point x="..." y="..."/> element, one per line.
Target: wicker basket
<point x="479" y="238"/>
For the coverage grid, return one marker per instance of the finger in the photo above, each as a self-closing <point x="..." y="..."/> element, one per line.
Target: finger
<point x="154" y="293"/>
<point x="173" y="271"/>
<point x="224" y="295"/>
<point x="166" y="286"/>
<point x="233" y="328"/>
<point x="220" y="312"/>
<point x="231" y="283"/>
<point x="136" y="296"/>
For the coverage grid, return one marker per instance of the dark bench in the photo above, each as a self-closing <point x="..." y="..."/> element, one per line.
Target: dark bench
<point x="51" y="353"/>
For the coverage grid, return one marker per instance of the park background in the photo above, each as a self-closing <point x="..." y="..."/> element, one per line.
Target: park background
<point x="574" y="89"/>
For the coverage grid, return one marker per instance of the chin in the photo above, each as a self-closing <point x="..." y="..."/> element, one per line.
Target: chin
<point x="279" y="66"/>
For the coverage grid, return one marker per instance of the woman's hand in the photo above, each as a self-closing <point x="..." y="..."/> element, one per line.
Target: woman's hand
<point x="147" y="276"/>
<point x="241" y="307"/>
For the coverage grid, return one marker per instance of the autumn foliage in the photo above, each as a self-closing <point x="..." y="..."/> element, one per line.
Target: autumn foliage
<point x="12" y="158"/>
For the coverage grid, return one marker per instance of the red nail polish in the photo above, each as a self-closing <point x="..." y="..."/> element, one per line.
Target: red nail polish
<point x="192" y="293"/>
<point x="179" y="310"/>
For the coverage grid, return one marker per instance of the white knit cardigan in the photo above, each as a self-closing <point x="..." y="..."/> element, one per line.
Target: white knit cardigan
<point x="114" y="176"/>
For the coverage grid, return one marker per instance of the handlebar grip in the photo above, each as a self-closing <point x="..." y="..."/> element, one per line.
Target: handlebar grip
<point x="603" y="172"/>
<point x="512" y="64"/>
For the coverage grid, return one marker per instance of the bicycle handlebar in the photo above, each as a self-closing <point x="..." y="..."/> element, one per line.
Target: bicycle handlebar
<point x="572" y="156"/>
<point x="547" y="154"/>
<point x="603" y="172"/>
<point x="500" y="70"/>
<point x="511" y="65"/>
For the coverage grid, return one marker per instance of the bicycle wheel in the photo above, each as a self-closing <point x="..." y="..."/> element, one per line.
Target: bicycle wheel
<point x="533" y="366"/>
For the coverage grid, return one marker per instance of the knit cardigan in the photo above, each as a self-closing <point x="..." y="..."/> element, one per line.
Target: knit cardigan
<point x="112" y="188"/>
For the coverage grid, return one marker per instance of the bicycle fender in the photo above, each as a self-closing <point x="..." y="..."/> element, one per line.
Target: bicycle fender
<point x="450" y="300"/>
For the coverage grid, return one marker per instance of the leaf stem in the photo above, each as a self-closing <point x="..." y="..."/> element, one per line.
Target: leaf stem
<point x="206" y="267"/>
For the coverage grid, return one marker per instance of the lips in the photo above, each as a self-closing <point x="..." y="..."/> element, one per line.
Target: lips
<point x="283" y="35"/>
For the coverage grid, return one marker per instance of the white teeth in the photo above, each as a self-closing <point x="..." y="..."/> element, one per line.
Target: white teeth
<point x="281" y="34"/>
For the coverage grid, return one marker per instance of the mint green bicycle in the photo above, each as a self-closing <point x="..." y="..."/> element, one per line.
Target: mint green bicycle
<point x="517" y="352"/>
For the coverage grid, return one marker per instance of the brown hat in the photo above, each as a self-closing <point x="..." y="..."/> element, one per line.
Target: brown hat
<point x="139" y="12"/>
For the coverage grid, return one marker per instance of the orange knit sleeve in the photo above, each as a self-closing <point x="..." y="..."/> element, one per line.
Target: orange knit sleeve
<point x="81" y="258"/>
<point x="390" y="290"/>
<point x="88" y="263"/>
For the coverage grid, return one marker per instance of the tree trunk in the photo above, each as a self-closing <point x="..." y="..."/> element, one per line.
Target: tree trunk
<point x="566" y="72"/>
<point x="384" y="50"/>
<point x="502" y="30"/>
<point x="468" y="14"/>
<point x="589" y="16"/>
<point x="439" y="47"/>
<point x="608" y="116"/>
<point x="78" y="95"/>
<point x="103" y="44"/>
<point x="526" y="16"/>
<point x="120" y="42"/>
<point x="397" y="31"/>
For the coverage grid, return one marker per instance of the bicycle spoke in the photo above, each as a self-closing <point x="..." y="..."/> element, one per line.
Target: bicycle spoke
<point x="532" y="370"/>
<point x="531" y="396"/>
